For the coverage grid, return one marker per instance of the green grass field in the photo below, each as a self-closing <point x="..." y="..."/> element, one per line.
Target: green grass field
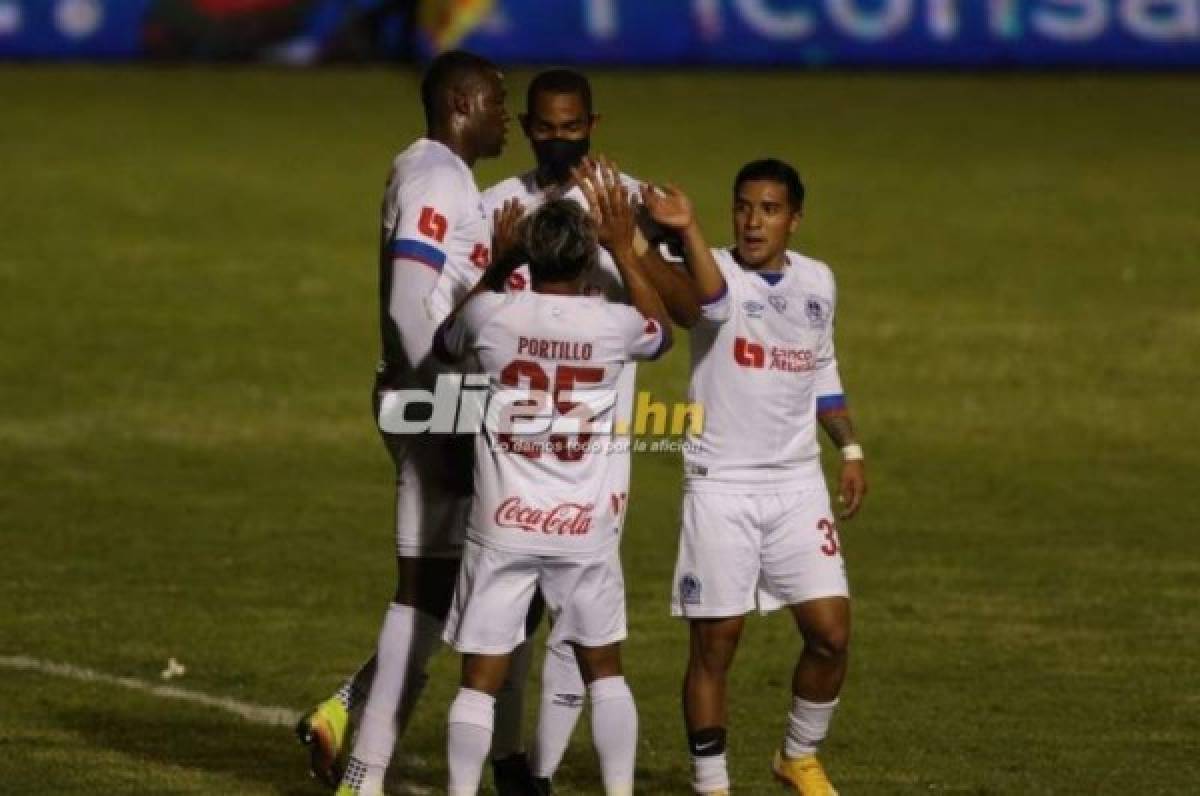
<point x="189" y="468"/>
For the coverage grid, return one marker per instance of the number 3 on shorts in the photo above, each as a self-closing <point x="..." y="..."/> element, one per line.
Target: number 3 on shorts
<point x="832" y="545"/>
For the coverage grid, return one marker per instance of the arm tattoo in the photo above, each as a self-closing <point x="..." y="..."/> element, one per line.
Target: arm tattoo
<point x="838" y="427"/>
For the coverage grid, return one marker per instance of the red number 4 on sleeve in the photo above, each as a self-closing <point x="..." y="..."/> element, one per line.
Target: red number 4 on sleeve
<point x="481" y="256"/>
<point x="432" y="224"/>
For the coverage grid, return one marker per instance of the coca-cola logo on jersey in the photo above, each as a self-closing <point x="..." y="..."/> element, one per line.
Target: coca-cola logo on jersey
<point x="565" y="519"/>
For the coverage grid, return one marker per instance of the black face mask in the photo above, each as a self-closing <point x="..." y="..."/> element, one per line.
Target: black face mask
<point x="557" y="156"/>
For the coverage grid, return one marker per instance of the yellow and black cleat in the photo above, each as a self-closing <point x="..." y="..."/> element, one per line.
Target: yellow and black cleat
<point x="323" y="731"/>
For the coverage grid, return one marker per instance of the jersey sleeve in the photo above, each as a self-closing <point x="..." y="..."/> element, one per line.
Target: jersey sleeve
<point x="458" y="334"/>
<point x="426" y="207"/>
<point x="831" y="398"/>
<point x="716" y="309"/>
<point x="641" y="337"/>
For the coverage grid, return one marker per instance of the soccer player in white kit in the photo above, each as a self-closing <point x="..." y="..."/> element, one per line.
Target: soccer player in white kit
<point x="435" y="242"/>
<point x="545" y="516"/>
<point x="558" y="121"/>
<point x="758" y="530"/>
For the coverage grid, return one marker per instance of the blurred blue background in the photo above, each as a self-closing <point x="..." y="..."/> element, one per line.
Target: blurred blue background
<point x="973" y="33"/>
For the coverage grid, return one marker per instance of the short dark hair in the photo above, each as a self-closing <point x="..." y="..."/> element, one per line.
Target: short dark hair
<point x="560" y="241"/>
<point x="559" y="81"/>
<point x="777" y="171"/>
<point x="447" y="72"/>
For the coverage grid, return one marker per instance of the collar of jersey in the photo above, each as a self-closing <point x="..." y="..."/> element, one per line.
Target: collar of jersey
<point x="784" y="273"/>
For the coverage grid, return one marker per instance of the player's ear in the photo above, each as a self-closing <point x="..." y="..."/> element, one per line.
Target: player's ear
<point x="797" y="214"/>
<point x="460" y="103"/>
<point x="593" y="120"/>
<point x="523" y="118"/>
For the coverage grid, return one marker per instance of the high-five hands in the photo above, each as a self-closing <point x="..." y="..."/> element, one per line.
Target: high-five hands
<point x="507" y="245"/>
<point x="668" y="205"/>
<point x="506" y="229"/>
<point x="609" y="203"/>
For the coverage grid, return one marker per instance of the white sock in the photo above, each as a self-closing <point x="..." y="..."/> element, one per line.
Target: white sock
<point x="510" y="704"/>
<point x="468" y="738"/>
<point x="406" y="641"/>
<point x="710" y="773"/>
<point x="562" y="702"/>
<point x="614" y="733"/>
<point x="413" y="689"/>
<point x="807" y="725"/>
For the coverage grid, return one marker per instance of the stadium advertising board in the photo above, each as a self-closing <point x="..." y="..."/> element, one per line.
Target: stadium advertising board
<point x="979" y="33"/>
<point x="848" y="32"/>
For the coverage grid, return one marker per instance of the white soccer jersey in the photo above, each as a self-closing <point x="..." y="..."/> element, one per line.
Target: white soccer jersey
<point x="435" y="243"/>
<point x="549" y="493"/>
<point x="605" y="280"/>
<point x="762" y="357"/>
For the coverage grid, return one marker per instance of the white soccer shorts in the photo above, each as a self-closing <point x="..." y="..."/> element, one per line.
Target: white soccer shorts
<point x="585" y="595"/>
<point x="432" y="500"/>
<point x="738" y="553"/>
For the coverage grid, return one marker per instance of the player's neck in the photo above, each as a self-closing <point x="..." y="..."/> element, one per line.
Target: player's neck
<point x="775" y="264"/>
<point x="548" y="184"/>
<point x="573" y="287"/>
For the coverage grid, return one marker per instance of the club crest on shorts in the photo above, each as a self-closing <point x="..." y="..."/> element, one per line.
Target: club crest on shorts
<point x="690" y="589"/>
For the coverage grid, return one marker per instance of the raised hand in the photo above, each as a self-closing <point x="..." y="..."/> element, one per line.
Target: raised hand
<point x="609" y="203"/>
<point x="506" y="230"/>
<point x="668" y="205"/>
<point x="507" y="248"/>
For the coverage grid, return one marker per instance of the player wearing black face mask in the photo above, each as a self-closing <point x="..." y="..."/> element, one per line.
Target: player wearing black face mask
<point x="557" y="156"/>
<point x="558" y="121"/>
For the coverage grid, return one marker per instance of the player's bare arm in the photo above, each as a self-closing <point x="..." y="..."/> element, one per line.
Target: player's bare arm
<point x="852" y="483"/>
<point x="672" y="208"/>
<point x="507" y="255"/>
<point x="675" y="287"/>
<point x="612" y="210"/>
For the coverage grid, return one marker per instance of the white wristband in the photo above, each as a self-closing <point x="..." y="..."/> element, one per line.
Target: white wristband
<point x="852" y="453"/>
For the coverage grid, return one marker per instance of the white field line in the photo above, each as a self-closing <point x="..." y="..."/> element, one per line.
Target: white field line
<point x="268" y="715"/>
<point x="258" y="714"/>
